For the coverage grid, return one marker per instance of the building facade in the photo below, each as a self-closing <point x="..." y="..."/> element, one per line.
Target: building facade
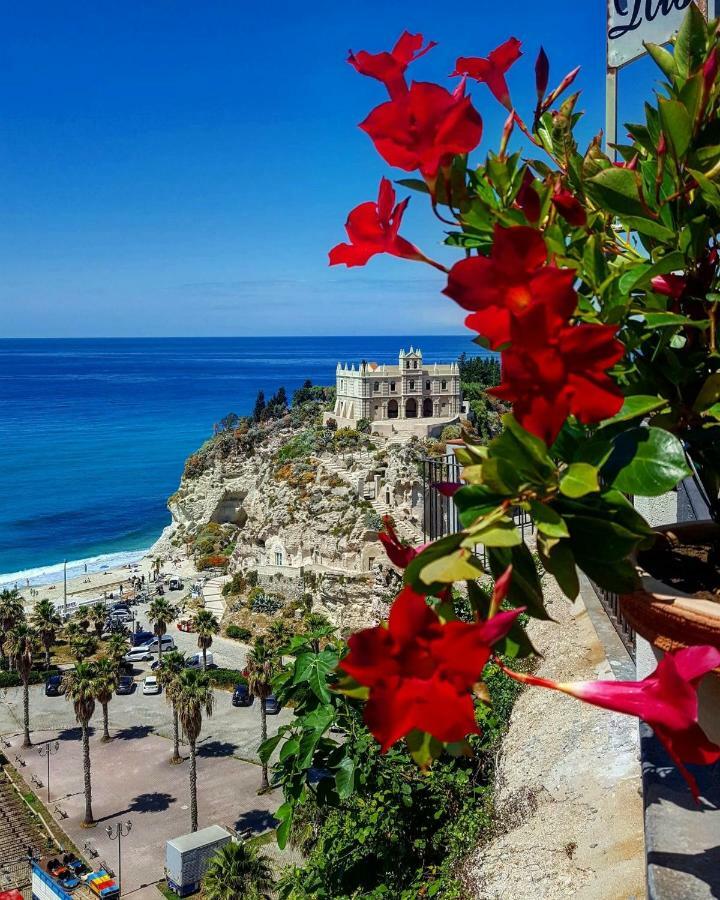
<point x="409" y="390"/>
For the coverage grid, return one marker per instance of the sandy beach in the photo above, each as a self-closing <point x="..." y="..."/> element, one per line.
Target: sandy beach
<point x="99" y="585"/>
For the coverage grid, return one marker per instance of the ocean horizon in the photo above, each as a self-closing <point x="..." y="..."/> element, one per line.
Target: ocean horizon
<point x="96" y="431"/>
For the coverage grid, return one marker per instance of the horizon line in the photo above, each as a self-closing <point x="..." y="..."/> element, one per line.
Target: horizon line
<point x="216" y="337"/>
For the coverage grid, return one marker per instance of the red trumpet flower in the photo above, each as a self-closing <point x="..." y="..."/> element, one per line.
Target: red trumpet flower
<point x="666" y="700"/>
<point x="569" y="207"/>
<point x="390" y="67"/>
<point x="509" y="282"/>
<point x="373" y="228"/>
<point x="424" y="129"/>
<point x="398" y="553"/>
<point x="492" y="70"/>
<point x="669" y="285"/>
<point x="420" y="671"/>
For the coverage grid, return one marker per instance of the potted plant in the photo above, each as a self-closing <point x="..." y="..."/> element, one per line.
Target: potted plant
<point x="596" y="280"/>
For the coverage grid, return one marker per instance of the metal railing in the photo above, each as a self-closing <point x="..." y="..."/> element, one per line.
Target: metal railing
<point x="610" y="602"/>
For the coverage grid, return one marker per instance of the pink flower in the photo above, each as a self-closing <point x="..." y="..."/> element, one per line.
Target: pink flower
<point x="390" y="67"/>
<point x="492" y="70"/>
<point x="398" y="553"/>
<point x="669" y="285"/>
<point x="666" y="700"/>
<point x="373" y="228"/>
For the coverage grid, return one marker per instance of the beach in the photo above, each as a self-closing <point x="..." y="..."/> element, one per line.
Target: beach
<point x="106" y="583"/>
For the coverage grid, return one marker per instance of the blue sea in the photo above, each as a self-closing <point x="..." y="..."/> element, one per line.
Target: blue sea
<point x="94" y="433"/>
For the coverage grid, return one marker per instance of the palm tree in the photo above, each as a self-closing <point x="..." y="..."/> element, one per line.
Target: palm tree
<point x="172" y="664"/>
<point x="278" y="634"/>
<point x="20" y="645"/>
<point x="193" y="695"/>
<point x="82" y="645"/>
<point x="116" y="646"/>
<point x="106" y="681"/>
<point x="11" y="612"/>
<point x="97" y="616"/>
<point x="160" y="613"/>
<point x="238" y="870"/>
<point x="259" y="671"/>
<point x="81" y="689"/>
<point x="206" y="625"/>
<point x="46" y="621"/>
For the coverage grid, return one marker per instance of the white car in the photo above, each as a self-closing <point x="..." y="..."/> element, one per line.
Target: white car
<point x="151" y="685"/>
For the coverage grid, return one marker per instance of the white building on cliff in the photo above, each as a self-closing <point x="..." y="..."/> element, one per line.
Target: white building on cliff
<point x="394" y="398"/>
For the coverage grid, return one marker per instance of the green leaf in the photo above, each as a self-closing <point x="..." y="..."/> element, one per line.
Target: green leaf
<point x="635" y="406"/>
<point x="618" y="576"/>
<point x="646" y="461"/>
<point x="616" y="191"/>
<point x="475" y="501"/>
<point x="676" y="125"/>
<point x="691" y="42"/>
<point x="662" y="57"/>
<point x="314" y="668"/>
<point x="642" y="275"/>
<point x="548" y="521"/>
<point x="534" y="448"/>
<point x="437" y="550"/>
<point x="516" y="644"/>
<point x="709" y="393"/>
<point x="649" y="227"/>
<point x="579" y="479"/>
<point x="289" y="748"/>
<point x="345" y="777"/>
<point x="423" y="747"/>
<point x="282" y="833"/>
<point x="414" y="184"/>
<point x="458" y="566"/>
<point x="560" y="563"/>
<point x="525" y="588"/>
<point x="667" y="320"/>
<point x="265" y="751"/>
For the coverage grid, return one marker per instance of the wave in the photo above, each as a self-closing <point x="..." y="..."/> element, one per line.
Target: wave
<point x="76" y="567"/>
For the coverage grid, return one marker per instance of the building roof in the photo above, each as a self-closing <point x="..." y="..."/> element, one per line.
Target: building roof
<point x="198" y="838"/>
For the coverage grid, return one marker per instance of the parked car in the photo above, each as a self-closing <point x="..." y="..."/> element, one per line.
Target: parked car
<point x="151" y="685"/>
<point x="54" y="686"/>
<point x="196" y="661"/>
<point x="126" y="685"/>
<point x="141" y="637"/>
<point x="138" y="654"/>
<point x="176" y="584"/>
<point x="242" y="696"/>
<point x="167" y="644"/>
<point x="272" y="705"/>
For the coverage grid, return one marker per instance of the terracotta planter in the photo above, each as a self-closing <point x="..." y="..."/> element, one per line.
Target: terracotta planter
<point x="666" y="617"/>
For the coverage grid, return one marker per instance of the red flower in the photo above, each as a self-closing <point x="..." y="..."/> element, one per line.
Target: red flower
<point x="509" y="282"/>
<point x="528" y="199"/>
<point x="390" y="67"/>
<point x="553" y="371"/>
<point x="666" y="700"/>
<point x="569" y="207"/>
<point x="710" y="71"/>
<point x="492" y="70"/>
<point x="373" y="228"/>
<point x="424" y="129"/>
<point x="398" y="553"/>
<point x="669" y="285"/>
<point x="421" y="672"/>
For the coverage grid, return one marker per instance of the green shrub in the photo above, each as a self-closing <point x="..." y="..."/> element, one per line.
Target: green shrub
<point x="12" y="679"/>
<point x="451" y="433"/>
<point x="363" y="426"/>
<point x="226" y="678"/>
<point x="236" y="585"/>
<point x="238" y="633"/>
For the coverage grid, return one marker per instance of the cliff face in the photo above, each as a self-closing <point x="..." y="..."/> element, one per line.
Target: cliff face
<point x="301" y="505"/>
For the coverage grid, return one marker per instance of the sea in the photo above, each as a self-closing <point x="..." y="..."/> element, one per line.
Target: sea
<point x="94" y="433"/>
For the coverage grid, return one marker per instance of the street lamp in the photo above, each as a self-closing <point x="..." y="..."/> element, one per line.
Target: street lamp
<point x="121" y="831"/>
<point x="48" y="751"/>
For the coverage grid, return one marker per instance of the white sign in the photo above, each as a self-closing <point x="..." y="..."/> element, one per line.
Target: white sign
<point x="630" y="22"/>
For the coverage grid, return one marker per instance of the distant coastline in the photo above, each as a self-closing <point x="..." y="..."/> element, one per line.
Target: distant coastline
<point x="96" y="431"/>
<point x="51" y="574"/>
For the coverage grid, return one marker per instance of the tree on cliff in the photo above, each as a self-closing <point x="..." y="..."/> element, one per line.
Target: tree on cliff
<point x="259" y="407"/>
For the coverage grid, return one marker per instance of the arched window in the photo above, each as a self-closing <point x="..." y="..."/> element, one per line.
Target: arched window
<point x="278" y="558"/>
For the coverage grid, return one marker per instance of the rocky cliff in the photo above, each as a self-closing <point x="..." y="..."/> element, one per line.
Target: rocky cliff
<point x="300" y="505"/>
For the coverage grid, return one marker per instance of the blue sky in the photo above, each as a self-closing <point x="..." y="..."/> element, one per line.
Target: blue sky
<point x="182" y="168"/>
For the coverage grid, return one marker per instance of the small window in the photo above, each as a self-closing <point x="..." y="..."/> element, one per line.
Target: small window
<point x="427" y="385"/>
<point x="443" y="385"/>
<point x="412" y="385"/>
<point x="278" y="558"/>
<point x="376" y="386"/>
<point x="407" y="364"/>
<point x="415" y="365"/>
<point x="392" y="385"/>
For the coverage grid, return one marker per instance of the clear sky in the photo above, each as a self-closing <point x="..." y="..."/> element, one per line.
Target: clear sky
<point x="181" y="167"/>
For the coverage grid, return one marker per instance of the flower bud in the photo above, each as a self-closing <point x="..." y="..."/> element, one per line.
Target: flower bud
<point x="710" y="71"/>
<point x="563" y="86"/>
<point x="542" y="73"/>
